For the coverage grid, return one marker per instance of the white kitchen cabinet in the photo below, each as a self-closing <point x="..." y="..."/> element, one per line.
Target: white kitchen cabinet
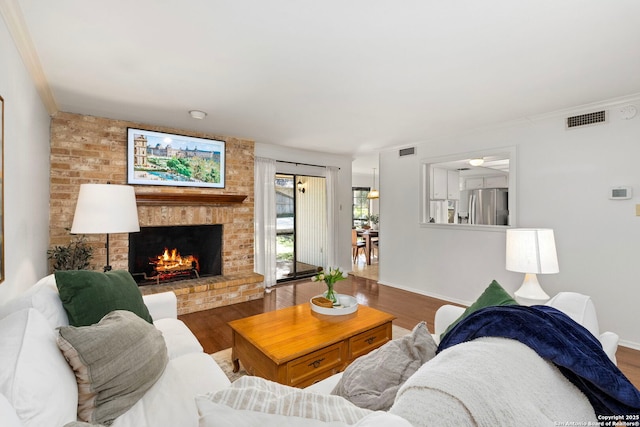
<point x="499" y="181"/>
<point x="496" y="181"/>
<point x="453" y="185"/>
<point x="439" y="183"/>
<point x="473" y="183"/>
<point x="445" y="184"/>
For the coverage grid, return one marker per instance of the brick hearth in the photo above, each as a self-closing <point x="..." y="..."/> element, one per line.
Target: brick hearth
<point x="87" y="149"/>
<point x="211" y="292"/>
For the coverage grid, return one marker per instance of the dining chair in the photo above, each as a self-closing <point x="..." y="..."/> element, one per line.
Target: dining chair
<point x="375" y="245"/>
<point x="356" y="244"/>
<point x="374" y="242"/>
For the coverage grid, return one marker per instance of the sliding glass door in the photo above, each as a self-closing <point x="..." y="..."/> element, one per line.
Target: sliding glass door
<point x="301" y="227"/>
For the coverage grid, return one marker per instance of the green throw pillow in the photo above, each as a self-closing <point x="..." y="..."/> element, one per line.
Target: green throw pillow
<point x="87" y="296"/>
<point x="493" y="295"/>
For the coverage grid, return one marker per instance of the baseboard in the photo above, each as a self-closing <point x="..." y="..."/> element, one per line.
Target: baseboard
<point x="427" y="294"/>
<point x="629" y="344"/>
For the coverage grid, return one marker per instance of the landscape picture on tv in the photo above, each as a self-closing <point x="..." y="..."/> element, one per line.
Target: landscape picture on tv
<point x="157" y="158"/>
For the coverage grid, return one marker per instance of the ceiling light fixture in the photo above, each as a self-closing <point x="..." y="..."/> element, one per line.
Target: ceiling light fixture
<point x="476" y="162"/>
<point x="373" y="194"/>
<point x="197" y="114"/>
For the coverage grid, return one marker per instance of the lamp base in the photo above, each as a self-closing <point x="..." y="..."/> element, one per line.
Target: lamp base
<point x="106" y="245"/>
<point x="530" y="293"/>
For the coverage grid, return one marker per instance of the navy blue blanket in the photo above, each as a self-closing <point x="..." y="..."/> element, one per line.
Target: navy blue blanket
<point x="560" y="340"/>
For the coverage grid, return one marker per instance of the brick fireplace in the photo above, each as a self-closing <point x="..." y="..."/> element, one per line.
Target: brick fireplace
<point x="160" y="255"/>
<point x="88" y="149"/>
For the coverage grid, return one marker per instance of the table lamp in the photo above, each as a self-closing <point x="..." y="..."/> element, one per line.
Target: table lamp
<point x="531" y="251"/>
<point x="105" y="208"/>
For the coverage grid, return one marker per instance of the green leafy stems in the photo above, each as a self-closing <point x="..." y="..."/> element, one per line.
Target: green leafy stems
<point x="330" y="277"/>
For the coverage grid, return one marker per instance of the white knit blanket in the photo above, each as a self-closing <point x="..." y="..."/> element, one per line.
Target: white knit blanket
<point x="491" y="382"/>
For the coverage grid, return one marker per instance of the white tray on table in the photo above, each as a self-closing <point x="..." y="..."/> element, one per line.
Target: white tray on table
<point x="351" y="306"/>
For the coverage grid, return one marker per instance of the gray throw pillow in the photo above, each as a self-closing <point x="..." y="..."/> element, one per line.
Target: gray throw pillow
<point x="372" y="381"/>
<point x="115" y="362"/>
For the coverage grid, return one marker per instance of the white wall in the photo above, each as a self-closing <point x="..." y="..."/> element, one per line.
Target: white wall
<point x="563" y="181"/>
<point x="26" y="174"/>
<point x="344" y="185"/>
<point x="362" y="179"/>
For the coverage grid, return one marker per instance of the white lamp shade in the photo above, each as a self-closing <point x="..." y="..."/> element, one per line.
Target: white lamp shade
<point x="373" y="194"/>
<point x="105" y="208"/>
<point x="531" y="250"/>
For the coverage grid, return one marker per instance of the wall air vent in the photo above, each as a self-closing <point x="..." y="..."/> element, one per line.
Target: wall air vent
<point x="587" y="119"/>
<point x="407" y="151"/>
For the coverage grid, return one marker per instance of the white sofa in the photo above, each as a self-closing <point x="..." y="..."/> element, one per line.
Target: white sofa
<point x="577" y="306"/>
<point x="37" y="386"/>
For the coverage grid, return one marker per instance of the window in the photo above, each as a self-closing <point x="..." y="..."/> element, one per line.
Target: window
<point x="361" y="206"/>
<point x="457" y="193"/>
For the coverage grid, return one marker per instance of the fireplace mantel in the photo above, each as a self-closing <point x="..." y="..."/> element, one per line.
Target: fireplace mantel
<point x="181" y="199"/>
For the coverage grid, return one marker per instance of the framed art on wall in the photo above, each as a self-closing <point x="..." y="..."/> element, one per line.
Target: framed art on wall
<point x="157" y="158"/>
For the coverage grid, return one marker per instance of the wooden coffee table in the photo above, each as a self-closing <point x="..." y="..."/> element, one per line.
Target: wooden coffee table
<point x="298" y="347"/>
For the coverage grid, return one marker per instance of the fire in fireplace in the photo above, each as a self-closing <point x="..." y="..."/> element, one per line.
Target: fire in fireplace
<point x="169" y="253"/>
<point x="171" y="263"/>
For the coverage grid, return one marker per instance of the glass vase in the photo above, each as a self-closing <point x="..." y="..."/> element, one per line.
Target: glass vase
<point x="330" y="294"/>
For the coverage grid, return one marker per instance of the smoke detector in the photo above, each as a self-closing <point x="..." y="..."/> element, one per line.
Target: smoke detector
<point x="197" y="114"/>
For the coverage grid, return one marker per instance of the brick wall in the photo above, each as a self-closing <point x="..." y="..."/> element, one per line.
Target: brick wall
<point x="87" y="149"/>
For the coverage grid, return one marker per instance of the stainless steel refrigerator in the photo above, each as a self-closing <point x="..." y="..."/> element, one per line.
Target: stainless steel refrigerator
<point x="488" y="206"/>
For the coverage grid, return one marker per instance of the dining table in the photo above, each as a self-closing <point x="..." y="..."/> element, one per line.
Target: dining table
<point x="368" y="235"/>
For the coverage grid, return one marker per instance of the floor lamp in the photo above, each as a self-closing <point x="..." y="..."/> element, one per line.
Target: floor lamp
<point x="531" y="251"/>
<point x="105" y="209"/>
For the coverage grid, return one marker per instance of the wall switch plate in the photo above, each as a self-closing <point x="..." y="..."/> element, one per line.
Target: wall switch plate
<point x="637" y="210"/>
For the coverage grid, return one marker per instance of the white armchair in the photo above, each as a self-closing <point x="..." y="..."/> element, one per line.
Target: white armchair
<point x="581" y="309"/>
<point x="577" y="306"/>
<point x="445" y="315"/>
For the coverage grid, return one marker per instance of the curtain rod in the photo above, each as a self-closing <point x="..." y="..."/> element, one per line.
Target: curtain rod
<point x="302" y="164"/>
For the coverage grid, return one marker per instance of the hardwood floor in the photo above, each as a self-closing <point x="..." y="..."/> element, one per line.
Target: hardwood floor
<point x="211" y="329"/>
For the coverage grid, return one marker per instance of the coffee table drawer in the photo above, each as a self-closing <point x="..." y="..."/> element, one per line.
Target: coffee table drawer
<point x="317" y="365"/>
<point x="365" y="342"/>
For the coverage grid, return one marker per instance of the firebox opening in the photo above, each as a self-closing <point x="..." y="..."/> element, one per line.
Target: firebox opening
<point x="168" y="253"/>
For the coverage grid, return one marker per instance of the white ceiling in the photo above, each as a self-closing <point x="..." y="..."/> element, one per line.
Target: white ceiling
<point x="491" y="165"/>
<point x="339" y="76"/>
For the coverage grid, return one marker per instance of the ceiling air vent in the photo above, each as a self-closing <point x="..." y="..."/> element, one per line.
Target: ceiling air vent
<point x="407" y="151"/>
<point x="586" y="119"/>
